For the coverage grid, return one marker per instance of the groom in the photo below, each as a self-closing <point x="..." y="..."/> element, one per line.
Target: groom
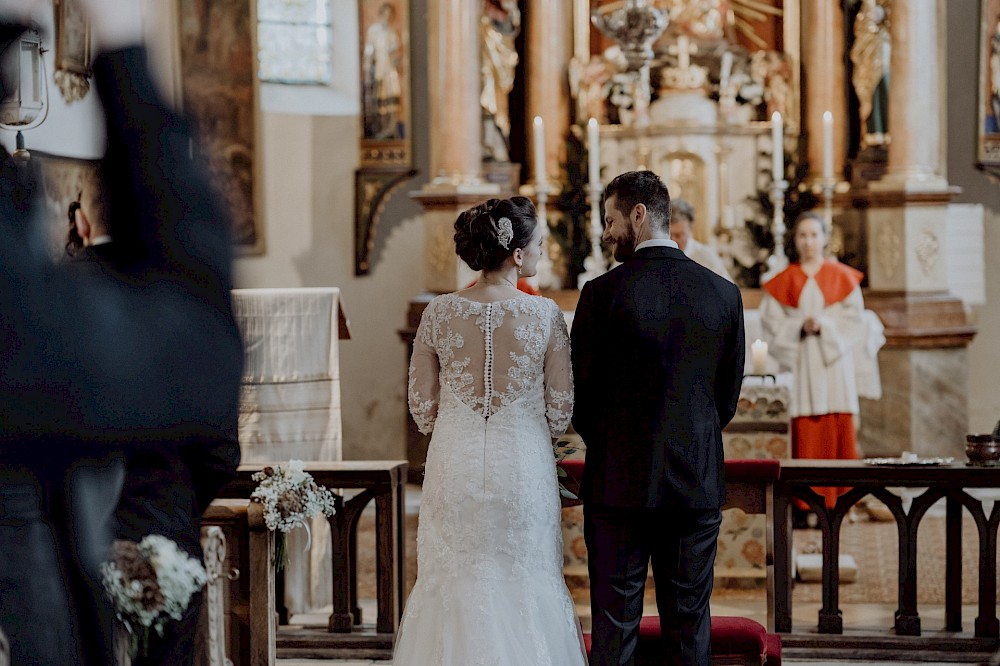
<point x="658" y="352"/>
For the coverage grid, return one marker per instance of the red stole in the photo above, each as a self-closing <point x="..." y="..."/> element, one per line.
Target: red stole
<point x="835" y="280"/>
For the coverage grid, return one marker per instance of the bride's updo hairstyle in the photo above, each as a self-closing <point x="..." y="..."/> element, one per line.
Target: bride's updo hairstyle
<point x="487" y="234"/>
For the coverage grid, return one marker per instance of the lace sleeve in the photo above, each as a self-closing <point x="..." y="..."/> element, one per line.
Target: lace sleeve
<point x="423" y="388"/>
<point x="558" y="376"/>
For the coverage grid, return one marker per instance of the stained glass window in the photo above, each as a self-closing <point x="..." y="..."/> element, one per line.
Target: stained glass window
<point x="294" y="41"/>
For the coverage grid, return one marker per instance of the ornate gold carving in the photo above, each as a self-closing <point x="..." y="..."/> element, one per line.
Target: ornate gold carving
<point x="372" y="188"/>
<point x="928" y="249"/>
<point x="441" y="251"/>
<point x="889" y="249"/>
<point x="73" y="86"/>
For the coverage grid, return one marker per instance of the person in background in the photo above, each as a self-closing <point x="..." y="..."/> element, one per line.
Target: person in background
<point x="94" y="364"/>
<point x="682" y="233"/>
<point x="812" y="318"/>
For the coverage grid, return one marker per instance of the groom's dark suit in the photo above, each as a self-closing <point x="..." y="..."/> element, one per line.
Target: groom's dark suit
<point x="658" y="353"/>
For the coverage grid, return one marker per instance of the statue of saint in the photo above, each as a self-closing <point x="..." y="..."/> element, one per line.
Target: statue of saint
<point x="382" y="87"/>
<point x="499" y="26"/>
<point x="870" y="55"/>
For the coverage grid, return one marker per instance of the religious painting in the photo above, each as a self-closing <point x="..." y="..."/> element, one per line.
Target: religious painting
<point x="385" y="117"/>
<point x="72" y="37"/>
<point x="218" y="72"/>
<point x="61" y="180"/>
<point x="989" y="85"/>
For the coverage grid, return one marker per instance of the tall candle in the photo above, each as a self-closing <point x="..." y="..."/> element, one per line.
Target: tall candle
<point x="539" y="138"/>
<point x="594" y="152"/>
<point x="758" y="356"/>
<point x="778" y="151"/>
<point x="727" y="70"/>
<point x="827" y="144"/>
<point x="683" y="52"/>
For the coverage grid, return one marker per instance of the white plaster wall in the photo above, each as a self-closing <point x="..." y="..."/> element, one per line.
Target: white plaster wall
<point x="962" y="99"/>
<point x="308" y="174"/>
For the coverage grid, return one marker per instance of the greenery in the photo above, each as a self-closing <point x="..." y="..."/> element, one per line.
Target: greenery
<point x="570" y="229"/>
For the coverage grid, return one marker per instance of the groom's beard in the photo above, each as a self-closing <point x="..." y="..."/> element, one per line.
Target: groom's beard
<point x="625" y="246"/>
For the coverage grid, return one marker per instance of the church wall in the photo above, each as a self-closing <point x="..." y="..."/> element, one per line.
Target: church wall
<point x="961" y="94"/>
<point x="307" y="175"/>
<point x="309" y="237"/>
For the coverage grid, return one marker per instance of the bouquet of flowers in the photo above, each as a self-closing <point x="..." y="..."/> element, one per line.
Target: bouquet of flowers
<point x="290" y="497"/>
<point x="149" y="584"/>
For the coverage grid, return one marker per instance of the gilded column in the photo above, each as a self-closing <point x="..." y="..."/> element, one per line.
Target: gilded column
<point x="915" y="98"/>
<point x="453" y="86"/>
<point x="549" y="49"/>
<point x="823" y="82"/>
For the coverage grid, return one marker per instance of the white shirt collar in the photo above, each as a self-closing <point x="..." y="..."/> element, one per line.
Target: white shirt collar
<point x="656" y="242"/>
<point x="100" y="240"/>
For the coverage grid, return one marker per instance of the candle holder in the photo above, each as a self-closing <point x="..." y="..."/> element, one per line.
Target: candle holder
<point x="828" y="186"/>
<point x="594" y="264"/>
<point x="777" y="262"/>
<point x="545" y="278"/>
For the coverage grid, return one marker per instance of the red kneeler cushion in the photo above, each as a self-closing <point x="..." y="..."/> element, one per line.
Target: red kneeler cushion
<point x="734" y="640"/>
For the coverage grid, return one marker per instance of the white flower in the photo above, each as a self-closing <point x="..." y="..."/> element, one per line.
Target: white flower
<point x="290" y="496"/>
<point x="151" y="582"/>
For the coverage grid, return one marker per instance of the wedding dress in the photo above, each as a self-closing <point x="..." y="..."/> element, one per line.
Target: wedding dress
<point x="493" y="383"/>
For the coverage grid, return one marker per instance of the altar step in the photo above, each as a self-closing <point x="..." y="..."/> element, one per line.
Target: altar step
<point x="315" y="642"/>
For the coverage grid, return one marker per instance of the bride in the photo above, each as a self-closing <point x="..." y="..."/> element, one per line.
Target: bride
<point x="490" y="376"/>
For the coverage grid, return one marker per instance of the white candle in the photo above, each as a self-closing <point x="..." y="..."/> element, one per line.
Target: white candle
<point x="727" y="70"/>
<point x="827" y="144"/>
<point x="594" y="152"/>
<point x="778" y="143"/>
<point x="758" y="356"/>
<point x="539" y="137"/>
<point x="683" y="54"/>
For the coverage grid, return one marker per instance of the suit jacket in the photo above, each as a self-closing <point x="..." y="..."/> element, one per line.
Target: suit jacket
<point x="149" y="358"/>
<point x="658" y="352"/>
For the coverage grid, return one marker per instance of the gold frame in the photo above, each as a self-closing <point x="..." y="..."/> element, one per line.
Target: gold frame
<point x="72" y="37"/>
<point x="988" y="141"/>
<point x="231" y="150"/>
<point x="386" y="162"/>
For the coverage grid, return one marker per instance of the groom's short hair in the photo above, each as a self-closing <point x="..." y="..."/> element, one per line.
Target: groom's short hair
<point x="641" y="187"/>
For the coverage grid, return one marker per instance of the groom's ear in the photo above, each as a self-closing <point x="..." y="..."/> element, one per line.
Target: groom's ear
<point x="638" y="212"/>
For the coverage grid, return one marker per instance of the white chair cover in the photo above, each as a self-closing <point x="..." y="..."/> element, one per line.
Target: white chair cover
<point x="290" y="408"/>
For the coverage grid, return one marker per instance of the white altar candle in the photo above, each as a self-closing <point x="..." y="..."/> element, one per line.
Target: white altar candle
<point x="758" y="356"/>
<point x="724" y="74"/>
<point x="778" y="150"/>
<point x="594" y="152"/>
<point x="827" y="144"/>
<point x="683" y="52"/>
<point x="539" y="137"/>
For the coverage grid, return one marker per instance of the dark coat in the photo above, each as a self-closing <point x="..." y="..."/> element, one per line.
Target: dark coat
<point x="658" y="353"/>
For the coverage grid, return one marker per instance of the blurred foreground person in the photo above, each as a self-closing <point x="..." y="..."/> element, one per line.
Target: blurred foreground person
<point x="146" y="358"/>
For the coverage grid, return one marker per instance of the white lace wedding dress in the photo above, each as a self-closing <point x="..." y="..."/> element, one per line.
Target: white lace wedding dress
<point x="493" y="383"/>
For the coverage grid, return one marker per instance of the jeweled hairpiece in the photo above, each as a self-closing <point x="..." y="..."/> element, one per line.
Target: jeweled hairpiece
<point x="505" y="232"/>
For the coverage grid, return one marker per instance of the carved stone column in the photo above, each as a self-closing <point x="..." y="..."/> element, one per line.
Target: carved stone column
<point x="453" y="87"/>
<point x="455" y="136"/>
<point x="823" y="82"/>
<point x="549" y="49"/>
<point x="915" y="104"/>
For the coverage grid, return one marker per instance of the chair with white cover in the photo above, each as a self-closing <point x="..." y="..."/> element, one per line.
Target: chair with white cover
<point x="290" y="408"/>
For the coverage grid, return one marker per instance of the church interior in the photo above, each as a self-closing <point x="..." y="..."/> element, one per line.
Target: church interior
<point x="346" y="136"/>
